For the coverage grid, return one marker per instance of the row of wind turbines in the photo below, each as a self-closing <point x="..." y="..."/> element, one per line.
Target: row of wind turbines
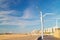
<point x="42" y="22"/>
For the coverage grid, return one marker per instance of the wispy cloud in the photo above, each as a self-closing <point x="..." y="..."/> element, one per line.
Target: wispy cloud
<point x="11" y="20"/>
<point x="6" y="4"/>
<point x="13" y="17"/>
<point x="28" y="13"/>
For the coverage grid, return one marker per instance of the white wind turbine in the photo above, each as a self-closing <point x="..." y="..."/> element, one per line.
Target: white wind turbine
<point x="42" y="21"/>
<point x="56" y="26"/>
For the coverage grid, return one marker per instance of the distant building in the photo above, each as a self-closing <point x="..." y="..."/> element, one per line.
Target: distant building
<point x="48" y="30"/>
<point x="36" y="32"/>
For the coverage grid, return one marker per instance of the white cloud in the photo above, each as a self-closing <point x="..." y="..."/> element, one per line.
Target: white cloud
<point x="29" y="23"/>
<point x="11" y="20"/>
<point x="6" y="12"/>
<point x="5" y="4"/>
<point x="27" y="13"/>
<point x="4" y="16"/>
<point x="17" y="1"/>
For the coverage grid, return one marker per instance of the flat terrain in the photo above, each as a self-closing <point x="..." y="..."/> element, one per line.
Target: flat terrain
<point x="25" y="37"/>
<point x="17" y="37"/>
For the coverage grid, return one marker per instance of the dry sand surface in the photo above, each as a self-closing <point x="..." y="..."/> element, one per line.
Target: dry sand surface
<point x="25" y="37"/>
<point x="18" y="37"/>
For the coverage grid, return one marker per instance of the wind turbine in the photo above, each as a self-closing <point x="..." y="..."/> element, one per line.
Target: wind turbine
<point x="56" y="22"/>
<point x="42" y="21"/>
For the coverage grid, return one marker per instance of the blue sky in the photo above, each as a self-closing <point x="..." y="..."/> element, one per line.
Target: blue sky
<point x="21" y="16"/>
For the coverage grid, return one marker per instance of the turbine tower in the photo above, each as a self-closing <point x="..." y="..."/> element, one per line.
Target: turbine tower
<point x="56" y="23"/>
<point x="42" y="27"/>
<point x="56" y="26"/>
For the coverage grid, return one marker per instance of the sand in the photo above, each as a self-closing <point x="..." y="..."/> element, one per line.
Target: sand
<point x="25" y="37"/>
<point x="18" y="37"/>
